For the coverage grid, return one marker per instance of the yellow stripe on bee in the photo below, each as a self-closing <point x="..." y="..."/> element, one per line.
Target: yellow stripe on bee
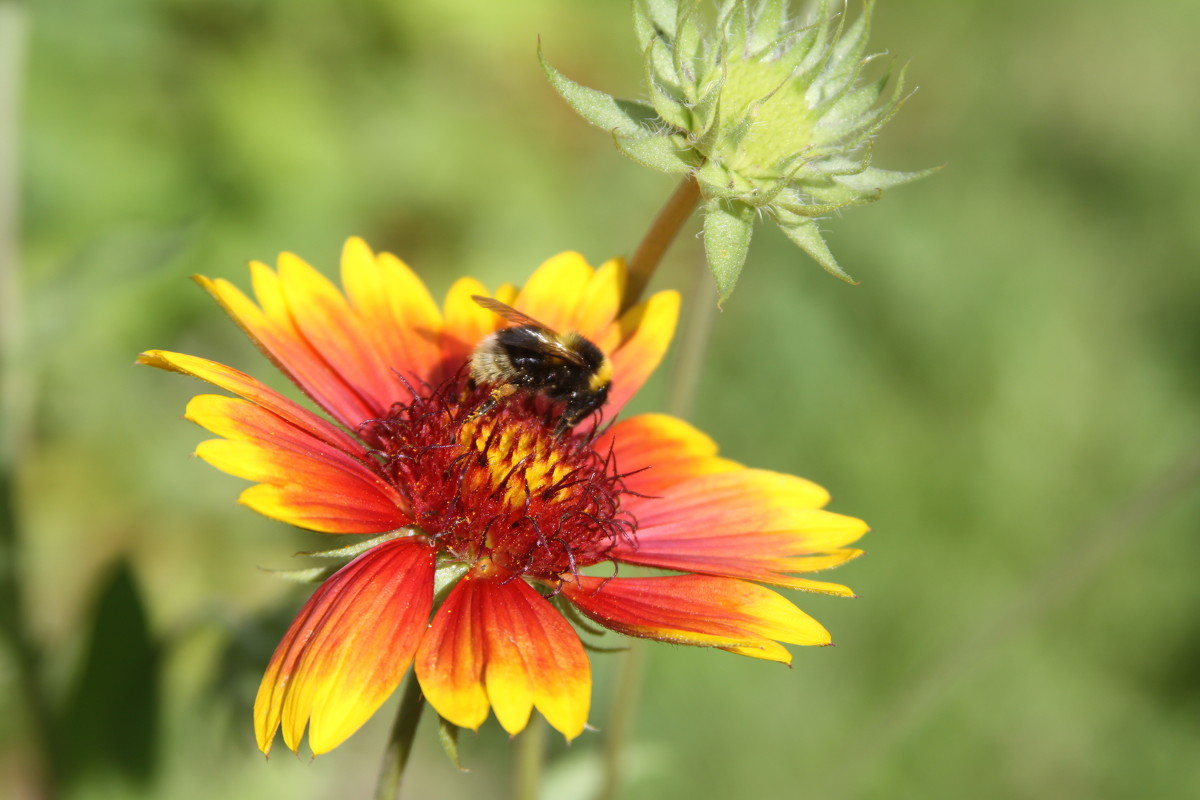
<point x="601" y="377"/>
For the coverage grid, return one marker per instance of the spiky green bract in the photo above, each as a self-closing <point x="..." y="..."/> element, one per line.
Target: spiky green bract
<point x="768" y="113"/>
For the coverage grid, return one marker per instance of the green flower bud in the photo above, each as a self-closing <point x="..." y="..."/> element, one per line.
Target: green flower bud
<point x="768" y="115"/>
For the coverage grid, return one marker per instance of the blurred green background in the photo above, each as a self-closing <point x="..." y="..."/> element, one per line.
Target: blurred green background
<point x="1009" y="398"/>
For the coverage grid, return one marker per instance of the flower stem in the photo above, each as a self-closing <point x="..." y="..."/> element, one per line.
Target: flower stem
<point x="693" y="342"/>
<point x="412" y="703"/>
<point x="658" y="238"/>
<point x="530" y="755"/>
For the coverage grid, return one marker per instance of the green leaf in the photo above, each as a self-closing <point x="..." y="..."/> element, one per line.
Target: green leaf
<point x="840" y="118"/>
<point x="654" y="19"/>
<point x="661" y="152"/>
<point x="303" y="575"/>
<point x="770" y="18"/>
<point x="109" y="724"/>
<point x="448" y="736"/>
<point x="706" y="115"/>
<point x="811" y="51"/>
<point x="728" y="226"/>
<point x="689" y="43"/>
<point x="876" y="179"/>
<point x="846" y="56"/>
<point x="358" y="548"/>
<point x="821" y="198"/>
<point x="804" y="233"/>
<point x="666" y="97"/>
<point x="870" y="123"/>
<point x="624" y="117"/>
<point x="734" y="20"/>
<point x="715" y="180"/>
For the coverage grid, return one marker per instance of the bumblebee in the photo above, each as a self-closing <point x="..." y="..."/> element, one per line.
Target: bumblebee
<point x="565" y="368"/>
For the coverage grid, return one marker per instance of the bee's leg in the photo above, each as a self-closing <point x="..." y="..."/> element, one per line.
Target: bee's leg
<point x="501" y="392"/>
<point x="570" y="415"/>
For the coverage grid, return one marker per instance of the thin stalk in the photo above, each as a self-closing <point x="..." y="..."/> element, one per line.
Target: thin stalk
<point x="683" y="382"/>
<point x="692" y="350"/>
<point x="404" y="730"/>
<point x="16" y="413"/>
<point x="658" y="238"/>
<point x="531" y="748"/>
<point x="620" y="725"/>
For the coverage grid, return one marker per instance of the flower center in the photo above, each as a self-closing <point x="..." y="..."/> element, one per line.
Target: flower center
<point x="499" y="485"/>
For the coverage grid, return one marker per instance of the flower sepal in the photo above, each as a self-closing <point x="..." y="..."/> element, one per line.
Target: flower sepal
<point x="764" y="111"/>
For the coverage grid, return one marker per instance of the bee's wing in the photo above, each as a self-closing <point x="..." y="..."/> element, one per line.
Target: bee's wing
<point x="508" y="312"/>
<point x="549" y="341"/>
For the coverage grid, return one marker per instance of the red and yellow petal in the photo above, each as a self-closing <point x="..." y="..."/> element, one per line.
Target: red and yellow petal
<point x="499" y="644"/>
<point x="272" y="328"/>
<point x="703" y="610"/>
<point x="745" y="498"/>
<point x="601" y="305"/>
<point x="399" y="316"/>
<point x="656" y="451"/>
<point x="306" y="482"/>
<point x="555" y="290"/>
<point x="325" y="320"/>
<point x="646" y="331"/>
<point x="350" y="352"/>
<point x="243" y="385"/>
<point x="348" y="649"/>
<point x="743" y="523"/>
<point x="467" y="323"/>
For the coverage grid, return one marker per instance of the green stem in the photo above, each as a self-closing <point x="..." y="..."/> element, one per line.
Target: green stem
<point x="658" y="238"/>
<point x="692" y="350"/>
<point x="531" y="746"/>
<point x="404" y="730"/>
<point x="620" y="725"/>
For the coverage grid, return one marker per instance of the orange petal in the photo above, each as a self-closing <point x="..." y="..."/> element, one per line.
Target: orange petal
<point x="348" y="648"/>
<point x="326" y="321"/>
<point x="750" y="499"/>
<point x="501" y="644"/>
<point x="703" y="610"/>
<point x="555" y="290"/>
<point x="311" y="484"/>
<point x="656" y="451"/>
<point x="272" y="328"/>
<point x="399" y="316"/>
<point x="743" y="523"/>
<point x="467" y="323"/>
<point x="600" y="305"/>
<point x="646" y="331"/>
<point x="243" y="385"/>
